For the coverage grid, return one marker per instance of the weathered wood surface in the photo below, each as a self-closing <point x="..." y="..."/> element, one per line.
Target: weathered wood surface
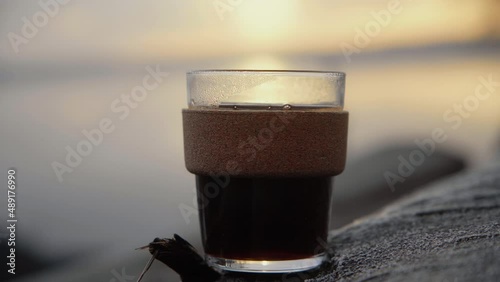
<point x="448" y="232"/>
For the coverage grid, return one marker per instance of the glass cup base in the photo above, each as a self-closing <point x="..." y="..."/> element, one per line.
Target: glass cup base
<point x="266" y="266"/>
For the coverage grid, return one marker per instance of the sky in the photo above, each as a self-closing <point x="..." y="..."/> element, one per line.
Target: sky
<point x="131" y="31"/>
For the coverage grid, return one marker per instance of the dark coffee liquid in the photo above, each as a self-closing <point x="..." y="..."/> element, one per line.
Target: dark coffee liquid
<point x="264" y="218"/>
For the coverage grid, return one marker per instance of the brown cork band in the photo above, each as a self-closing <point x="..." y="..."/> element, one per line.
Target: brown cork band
<point x="265" y="143"/>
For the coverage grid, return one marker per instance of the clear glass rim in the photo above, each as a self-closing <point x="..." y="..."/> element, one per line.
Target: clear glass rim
<point x="266" y="72"/>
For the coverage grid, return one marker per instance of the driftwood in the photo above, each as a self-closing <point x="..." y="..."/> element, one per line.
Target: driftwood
<point x="448" y="232"/>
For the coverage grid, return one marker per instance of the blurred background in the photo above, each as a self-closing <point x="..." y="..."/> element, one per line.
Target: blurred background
<point x="65" y="65"/>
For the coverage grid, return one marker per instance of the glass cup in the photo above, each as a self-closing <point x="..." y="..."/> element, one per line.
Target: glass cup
<point x="264" y="146"/>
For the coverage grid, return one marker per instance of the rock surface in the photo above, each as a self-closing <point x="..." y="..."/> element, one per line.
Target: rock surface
<point x="362" y="188"/>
